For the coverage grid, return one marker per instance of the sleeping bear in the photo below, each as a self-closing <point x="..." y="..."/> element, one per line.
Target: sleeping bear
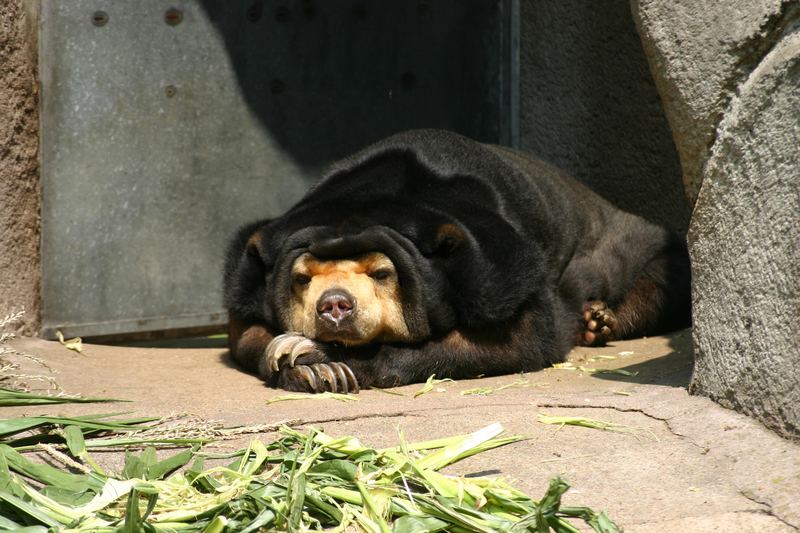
<point x="429" y="253"/>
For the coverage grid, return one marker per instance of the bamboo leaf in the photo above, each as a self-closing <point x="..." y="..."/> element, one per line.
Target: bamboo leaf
<point x="10" y="397"/>
<point x="429" y="384"/>
<point x="162" y="468"/>
<point x="418" y="524"/>
<point x="318" y="396"/>
<point x="47" y="474"/>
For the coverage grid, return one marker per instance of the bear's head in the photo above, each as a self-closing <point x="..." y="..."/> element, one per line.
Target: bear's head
<point x="352" y="301"/>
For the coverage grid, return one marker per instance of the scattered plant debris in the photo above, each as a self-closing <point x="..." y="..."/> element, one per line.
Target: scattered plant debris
<point x="429" y="384"/>
<point x="522" y="382"/>
<point x="318" y="396"/>
<point x="591" y="423"/>
<point x="74" y="344"/>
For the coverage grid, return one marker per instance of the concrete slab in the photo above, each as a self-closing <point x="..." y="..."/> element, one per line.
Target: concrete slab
<point x="689" y="464"/>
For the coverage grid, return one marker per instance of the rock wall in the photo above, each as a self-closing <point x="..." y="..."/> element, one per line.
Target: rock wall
<point x="729" y="76"/>
<point x="589" y="105"/>
<point x="20" y="274"/>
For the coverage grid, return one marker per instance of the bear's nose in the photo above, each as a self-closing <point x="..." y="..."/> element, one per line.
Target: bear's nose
<point x="335" y="305"/>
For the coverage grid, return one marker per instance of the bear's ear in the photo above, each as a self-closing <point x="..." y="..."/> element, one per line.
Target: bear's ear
<point x="448" y="238"/>
<point x="255" y="244"/>
<point x="245" y="274"/>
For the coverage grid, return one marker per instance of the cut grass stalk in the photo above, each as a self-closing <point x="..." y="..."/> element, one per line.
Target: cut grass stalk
<point x="387" y="391"/>
<point x="486" y="391"/>
<point x="429" y="384"/>
<point x="319" y="396"/>
<point x="586" y="422"/>
<point x="10" y="397"/>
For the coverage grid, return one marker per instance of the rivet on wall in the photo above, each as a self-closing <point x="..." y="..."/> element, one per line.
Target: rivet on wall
<point x="255" y="11"/>
<point x="283" y="14"/>
<point x="170" y="91"/>
<point x="100" y="18"/>
<point x="173" y="16"/>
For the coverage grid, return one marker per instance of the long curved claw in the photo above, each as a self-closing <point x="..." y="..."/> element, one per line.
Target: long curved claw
<point x="308" y="375"/>
<point x="341" y="377"/>
<point x="350" y="380"/>
<point x="301" y="348"/>
<point x="277" y="349"/>
<point x="327" y="375"/>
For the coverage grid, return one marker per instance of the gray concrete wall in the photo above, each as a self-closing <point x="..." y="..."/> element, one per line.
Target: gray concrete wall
<point x="19" y="166"/>
<point x="589" y="105"/>
<point x="729" y="75"/>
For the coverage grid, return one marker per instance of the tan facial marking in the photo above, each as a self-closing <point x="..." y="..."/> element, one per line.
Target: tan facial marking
<point x="372" y="282"/>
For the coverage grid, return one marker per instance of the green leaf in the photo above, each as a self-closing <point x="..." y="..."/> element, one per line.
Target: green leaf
<point x="335" y="468"/>
<point x="47" y="474"/>
<point x="7" y="524"/>
<point x="429" y="384"/>
<point x="30" y="510"/>
<point x="136" y="466"/>
<point x="134" y="522"/>
<point x="262" y="520"/>
<point x="418" y="524"/>
<point x="162" y="468"/>
<point x="217" y="525"/>
<point x="10" y="397"/>
<point x="88" y="424"/>
<point x="75" y="442"/>
<point x="296" y="501"/>
<point x="549" y="504"/>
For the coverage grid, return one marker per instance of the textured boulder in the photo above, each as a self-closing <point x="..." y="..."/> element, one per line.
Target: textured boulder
<point x="729" y="74"/>
<point x="745" y="244"/>
<point x="699" y="53"/>
<point x="19" y="163"/>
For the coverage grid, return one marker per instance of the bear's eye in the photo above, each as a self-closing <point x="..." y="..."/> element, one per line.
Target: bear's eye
<point x="381" y="274"/>
<point x="301" y="279"/>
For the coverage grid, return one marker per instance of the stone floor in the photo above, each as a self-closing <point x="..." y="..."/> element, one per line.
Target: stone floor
<point x="688" y="464"/>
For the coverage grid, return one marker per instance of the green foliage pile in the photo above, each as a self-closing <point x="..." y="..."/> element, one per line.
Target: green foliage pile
<point x="299" y="482"/>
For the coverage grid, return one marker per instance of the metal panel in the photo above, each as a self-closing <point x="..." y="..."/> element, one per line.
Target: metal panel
<point x="165" y="126"/>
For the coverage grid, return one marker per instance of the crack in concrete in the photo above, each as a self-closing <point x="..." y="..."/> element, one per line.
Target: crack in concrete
<point x="767" y="508"/>
<point x="665" y="420"/>
<point x="416" y="413"/>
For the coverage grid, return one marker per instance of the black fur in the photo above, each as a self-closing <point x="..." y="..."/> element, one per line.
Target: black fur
<point x="531" y="247"/>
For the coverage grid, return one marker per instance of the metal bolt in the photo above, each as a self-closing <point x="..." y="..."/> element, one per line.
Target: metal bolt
<point x="173" y="16"/>
<point x="255" y="11"/>
<point x="100" y="18"/>
<point x="283" y="14"/>
<point x="170" y="91"/>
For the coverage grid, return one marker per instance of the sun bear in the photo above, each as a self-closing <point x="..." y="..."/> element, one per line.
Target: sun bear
<point x="429" y="253"/>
